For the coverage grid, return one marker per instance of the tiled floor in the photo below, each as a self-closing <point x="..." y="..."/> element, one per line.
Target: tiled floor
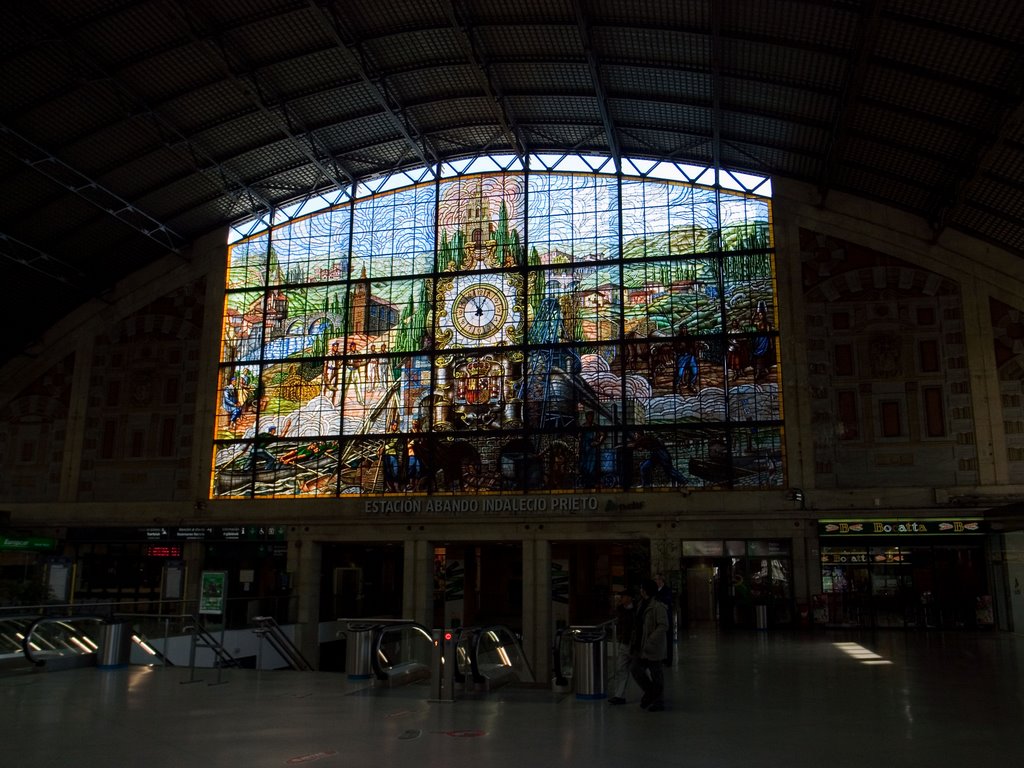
<point x="743" y="700"/>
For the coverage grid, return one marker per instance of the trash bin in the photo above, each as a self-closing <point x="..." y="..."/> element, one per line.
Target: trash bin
<point x="115" y="645"/>
<point x="359" y="651"/>
<point x="761" y="616"/>
<point x="588" y="665"/>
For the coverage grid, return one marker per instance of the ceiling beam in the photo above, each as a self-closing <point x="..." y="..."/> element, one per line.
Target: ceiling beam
<point x="86" y="62"/>
<point x="207" y="37"/>
<point x="30" y="257"/>
<point x="856" y="71"/>
<point x="716" y="83"/>
<point x="1006" y="119"/>
<point x="73" y="180"/>
<point x="463" y="26"/>
<point x="331" y="17"/>
<point x="583" y="25"/>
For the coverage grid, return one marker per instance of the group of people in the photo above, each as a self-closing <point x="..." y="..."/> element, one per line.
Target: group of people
<point x="363" y="376"/>
<point x="643" y="636"/>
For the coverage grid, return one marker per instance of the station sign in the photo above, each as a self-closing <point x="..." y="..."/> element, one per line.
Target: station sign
<point x="172" y="533"/>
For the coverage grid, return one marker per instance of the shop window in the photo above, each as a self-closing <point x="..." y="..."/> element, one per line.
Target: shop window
<point x="928" y="356"/>
<point x="113" y="394"/>
<point x="171" y="390"/>
<point x="844" y="360"/>
<point x="137" y="444"/>
<point x="934" y="413"/>
<point x="28" y="452"/>
<point x="890" y="418"/>
<point x="167" y="431"/>
<point x="849" y="420"/>
<point x="108" y="439"/>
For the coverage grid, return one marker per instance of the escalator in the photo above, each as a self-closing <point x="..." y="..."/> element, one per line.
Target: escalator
<point x="53" y="642"/>
<point x="65" y="642"/>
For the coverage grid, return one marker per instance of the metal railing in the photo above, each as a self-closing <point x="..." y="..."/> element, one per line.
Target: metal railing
<point x="267" y="628"/>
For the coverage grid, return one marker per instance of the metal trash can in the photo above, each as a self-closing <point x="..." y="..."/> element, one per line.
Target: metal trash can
<point x="761" y="616"/>
<point x="359" y="651"/>
<point x="588" y="665"/>
<point x="115" y="645"/>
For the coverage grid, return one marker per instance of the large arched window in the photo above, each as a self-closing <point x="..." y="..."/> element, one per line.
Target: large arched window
<point x="485" y="326"/>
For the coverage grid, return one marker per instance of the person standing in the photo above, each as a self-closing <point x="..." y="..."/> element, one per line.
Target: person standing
<point x="391" y="453"/>
<point x="331" y="377"/>
<point x="625" y="614"/>
<point x="664" y="595"/>
<point x="230" y="403"/>
<point x="650" y="638"/>
<point x="260" y="452"/>
<point x="658" y="457"/>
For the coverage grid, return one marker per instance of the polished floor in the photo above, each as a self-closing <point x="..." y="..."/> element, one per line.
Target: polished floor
<point x="819" y="699"/>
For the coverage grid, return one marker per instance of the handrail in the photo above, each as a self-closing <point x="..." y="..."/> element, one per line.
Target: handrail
<point x="497" y="630"/>
<point x="379" y="672"/>
<point x="268" y="626"/>
<point x="221" y="656"/>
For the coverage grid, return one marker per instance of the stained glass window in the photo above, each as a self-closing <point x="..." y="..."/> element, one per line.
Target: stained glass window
<point x="485" y="328"/>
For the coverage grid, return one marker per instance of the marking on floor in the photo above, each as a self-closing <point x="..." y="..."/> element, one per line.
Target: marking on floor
<point x="463" y="734"/>
<point x="312" y="758"/>
<point x="412" y="733"/>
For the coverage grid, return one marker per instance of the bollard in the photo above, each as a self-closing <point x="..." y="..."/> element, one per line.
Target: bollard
<point x="358" y="651"/>
<point x="761" y="616"/>
<point x="589" y="665"/>
<point x="115" y="645"/>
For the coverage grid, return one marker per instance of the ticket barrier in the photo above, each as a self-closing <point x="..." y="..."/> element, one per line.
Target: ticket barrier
<point x="393" y="651"/>
<point x="589" y="655"/>
<point x="580" y="661"/>
<point x="444" y="669"/>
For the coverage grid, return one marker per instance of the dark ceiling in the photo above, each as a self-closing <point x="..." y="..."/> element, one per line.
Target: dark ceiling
<point x="130" y="128"/>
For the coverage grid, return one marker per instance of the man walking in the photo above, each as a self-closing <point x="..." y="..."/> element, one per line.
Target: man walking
<point x="650" y="645"/>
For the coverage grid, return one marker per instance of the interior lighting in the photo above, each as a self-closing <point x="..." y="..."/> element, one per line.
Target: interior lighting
<point x="862" y="654"/>
<point x="143" y="645"/>
<point x="506" y="661"/>
<point x="84" y="648"/>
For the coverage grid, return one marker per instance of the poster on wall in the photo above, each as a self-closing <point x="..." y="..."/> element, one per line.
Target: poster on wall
<point x="213" y="592"/>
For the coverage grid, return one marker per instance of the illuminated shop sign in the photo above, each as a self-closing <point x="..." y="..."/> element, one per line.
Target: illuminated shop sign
<point x="896" y="527"/>
<point x="862" y="555"/>
<point x="27" y="543"/>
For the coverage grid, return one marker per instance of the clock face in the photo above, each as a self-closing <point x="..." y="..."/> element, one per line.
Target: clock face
<point x="479" y="311"/>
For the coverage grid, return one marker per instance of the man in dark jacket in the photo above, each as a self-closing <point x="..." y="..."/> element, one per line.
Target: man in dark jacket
<point x="650" y="644"/>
